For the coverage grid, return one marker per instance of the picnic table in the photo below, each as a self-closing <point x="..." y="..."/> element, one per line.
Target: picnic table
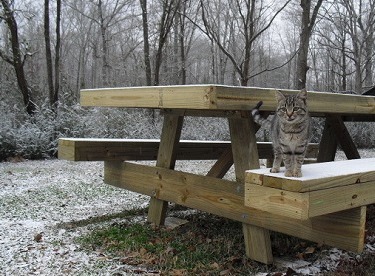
<point x="210" y="192"/>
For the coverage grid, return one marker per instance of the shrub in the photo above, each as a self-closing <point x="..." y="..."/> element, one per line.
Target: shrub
<point x="36" y="137"/>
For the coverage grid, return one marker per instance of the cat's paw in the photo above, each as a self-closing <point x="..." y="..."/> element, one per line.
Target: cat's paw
<point x="288" y="174"/>
<point x="297" y="174"/>
<point x="293" y="174"/>
<point x="275" y="170"/>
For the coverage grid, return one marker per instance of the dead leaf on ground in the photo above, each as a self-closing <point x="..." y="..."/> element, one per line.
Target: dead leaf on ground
<point x="310" y="250"/>
<point x="38" y="237"/>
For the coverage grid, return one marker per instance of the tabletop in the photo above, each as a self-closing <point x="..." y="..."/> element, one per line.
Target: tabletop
<point x="221" y="97"/>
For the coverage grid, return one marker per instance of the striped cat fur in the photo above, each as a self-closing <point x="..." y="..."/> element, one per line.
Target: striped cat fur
<point x="290" y="130"/>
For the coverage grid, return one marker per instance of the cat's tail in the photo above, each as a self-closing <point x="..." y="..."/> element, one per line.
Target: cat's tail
<point x="257" y="117"/>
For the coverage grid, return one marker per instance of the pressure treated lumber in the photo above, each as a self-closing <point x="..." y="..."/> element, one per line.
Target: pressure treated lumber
<point x="326" y="188"/>
<point x="317" y="176"/>
<point x="225" y="198"/>
<point x="90" y="149"/>
<point x="245" y="156"/>
<point x="220" y="97"/>
<point x="170" y="136"/>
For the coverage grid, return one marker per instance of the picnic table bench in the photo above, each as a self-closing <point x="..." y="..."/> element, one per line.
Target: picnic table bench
<point x="210" y="192"/>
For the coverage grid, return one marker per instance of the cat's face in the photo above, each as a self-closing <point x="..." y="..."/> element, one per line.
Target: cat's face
<point x="291" y="108"/>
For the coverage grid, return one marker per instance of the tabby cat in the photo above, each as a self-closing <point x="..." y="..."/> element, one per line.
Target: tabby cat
<point x="290" y="131"/>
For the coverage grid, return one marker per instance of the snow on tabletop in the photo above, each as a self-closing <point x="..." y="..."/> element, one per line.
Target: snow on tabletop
<point x="325" y="170"/>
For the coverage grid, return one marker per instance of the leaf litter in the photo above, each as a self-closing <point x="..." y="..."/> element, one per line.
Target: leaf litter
<point x="46" y="205"/>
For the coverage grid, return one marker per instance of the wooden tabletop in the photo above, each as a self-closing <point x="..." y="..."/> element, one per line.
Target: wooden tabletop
<point x="220" y="97"/>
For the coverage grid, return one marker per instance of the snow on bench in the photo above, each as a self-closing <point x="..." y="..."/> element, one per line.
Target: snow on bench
<point x="325" y="188"/>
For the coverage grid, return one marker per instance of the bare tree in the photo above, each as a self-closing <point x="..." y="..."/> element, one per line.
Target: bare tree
<point x="146" y="43"/>
<point x="348" y="39"/>
<point x="250" y="22"/>
<point x="53" y="82"/>
<point x="169" y="10"/>
<point x="105" y="14"/>
<point x="332" y="36"/>
<point x="57" y="52"/>
<point x="16" y="57"/>
<point x="360" y="27"/>
<point x="307" y="25"/>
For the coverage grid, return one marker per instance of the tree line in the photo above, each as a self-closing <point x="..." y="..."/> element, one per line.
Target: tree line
<point x="52" y="49"/>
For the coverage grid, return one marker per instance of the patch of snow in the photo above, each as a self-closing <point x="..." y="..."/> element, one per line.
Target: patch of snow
<point x="40" y="200"/>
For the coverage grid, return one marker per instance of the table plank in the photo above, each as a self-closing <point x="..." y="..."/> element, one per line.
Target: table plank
<point x="220" y="97"/>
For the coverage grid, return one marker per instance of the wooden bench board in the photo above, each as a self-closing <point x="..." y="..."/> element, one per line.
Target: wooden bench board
<point x="317" y="176"/>
<point x="101" y="149"/>
<point x="336" y="186"/>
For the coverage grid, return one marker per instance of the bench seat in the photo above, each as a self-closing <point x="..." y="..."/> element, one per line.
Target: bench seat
<point x="331" y="197"/>
<point x="98" y="149"/>
<point x="324" y="188"/>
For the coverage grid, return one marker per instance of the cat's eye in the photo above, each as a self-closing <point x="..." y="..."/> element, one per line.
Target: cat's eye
<point x="282" y="109"/>
<point x="295" y="109"/>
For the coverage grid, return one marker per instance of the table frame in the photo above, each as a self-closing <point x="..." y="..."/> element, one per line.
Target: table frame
<point x="233" y="103"/>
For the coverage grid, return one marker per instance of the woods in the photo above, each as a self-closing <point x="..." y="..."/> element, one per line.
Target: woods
<point x="49" y="50"/>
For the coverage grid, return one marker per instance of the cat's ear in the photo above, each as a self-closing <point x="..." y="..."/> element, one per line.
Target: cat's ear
<point x="279" y="96"/>
<point x="302" y="94"/>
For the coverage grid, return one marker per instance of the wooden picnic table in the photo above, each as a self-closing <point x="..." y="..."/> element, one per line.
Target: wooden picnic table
<point x="225" y="198"/>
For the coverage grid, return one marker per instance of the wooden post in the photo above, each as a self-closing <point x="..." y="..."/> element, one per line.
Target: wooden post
<point x="170" y="137"/>
<point x="328" y="144"/>
<point x="343" y="137"/>
<point x="245" y="156"/>
<point x="223" y="164"/>
<point x="336" y="132"/>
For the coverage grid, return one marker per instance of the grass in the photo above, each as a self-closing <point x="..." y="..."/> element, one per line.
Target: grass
<point x="206" y="245"/>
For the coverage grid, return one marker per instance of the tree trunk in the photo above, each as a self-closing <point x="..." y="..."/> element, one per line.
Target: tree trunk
<point x="57" y="53"/>
<point x="146" y="44"/>
<point x="170" y="8"/>
<point x="16" y="61"/>
<point x="307" y="25"/>
<point x="103" y="35"/>
<point x="47" y="41"/>
<point x="182" y="15"/>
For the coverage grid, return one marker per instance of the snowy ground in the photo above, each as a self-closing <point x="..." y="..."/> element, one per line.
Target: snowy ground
<point x="40" y="201"/>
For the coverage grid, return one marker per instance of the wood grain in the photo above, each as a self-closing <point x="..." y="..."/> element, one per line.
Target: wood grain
<point x="318" y="176"/>
<point x="89" y="149"/>
<point x="344" y="229"/>
<point x="219" y="97"/>
<point x="170" y="136"/>
<point x="309" y="204"/>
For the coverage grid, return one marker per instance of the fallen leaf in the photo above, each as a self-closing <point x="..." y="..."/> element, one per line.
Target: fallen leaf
<point x="170" y="250"/>
<point x="177" y="272"/>
<point x="38" y="237"/>
<point x="290" y="272"/>
<point x="215" y="265"/>
<point x="225" y="272"/>
<point x="310" y="250"/>
<point x="300" y="256"/>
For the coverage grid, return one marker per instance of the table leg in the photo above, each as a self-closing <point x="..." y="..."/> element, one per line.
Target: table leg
<point x="336" y="132"/>
<point x="245" y="156"/>
<point x="328" y="144"/>
<point x="170" y="137"/>
<point x="343" y="137"/>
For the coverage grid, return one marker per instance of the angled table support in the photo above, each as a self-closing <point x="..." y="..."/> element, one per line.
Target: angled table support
<point x="170" y="137"/>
